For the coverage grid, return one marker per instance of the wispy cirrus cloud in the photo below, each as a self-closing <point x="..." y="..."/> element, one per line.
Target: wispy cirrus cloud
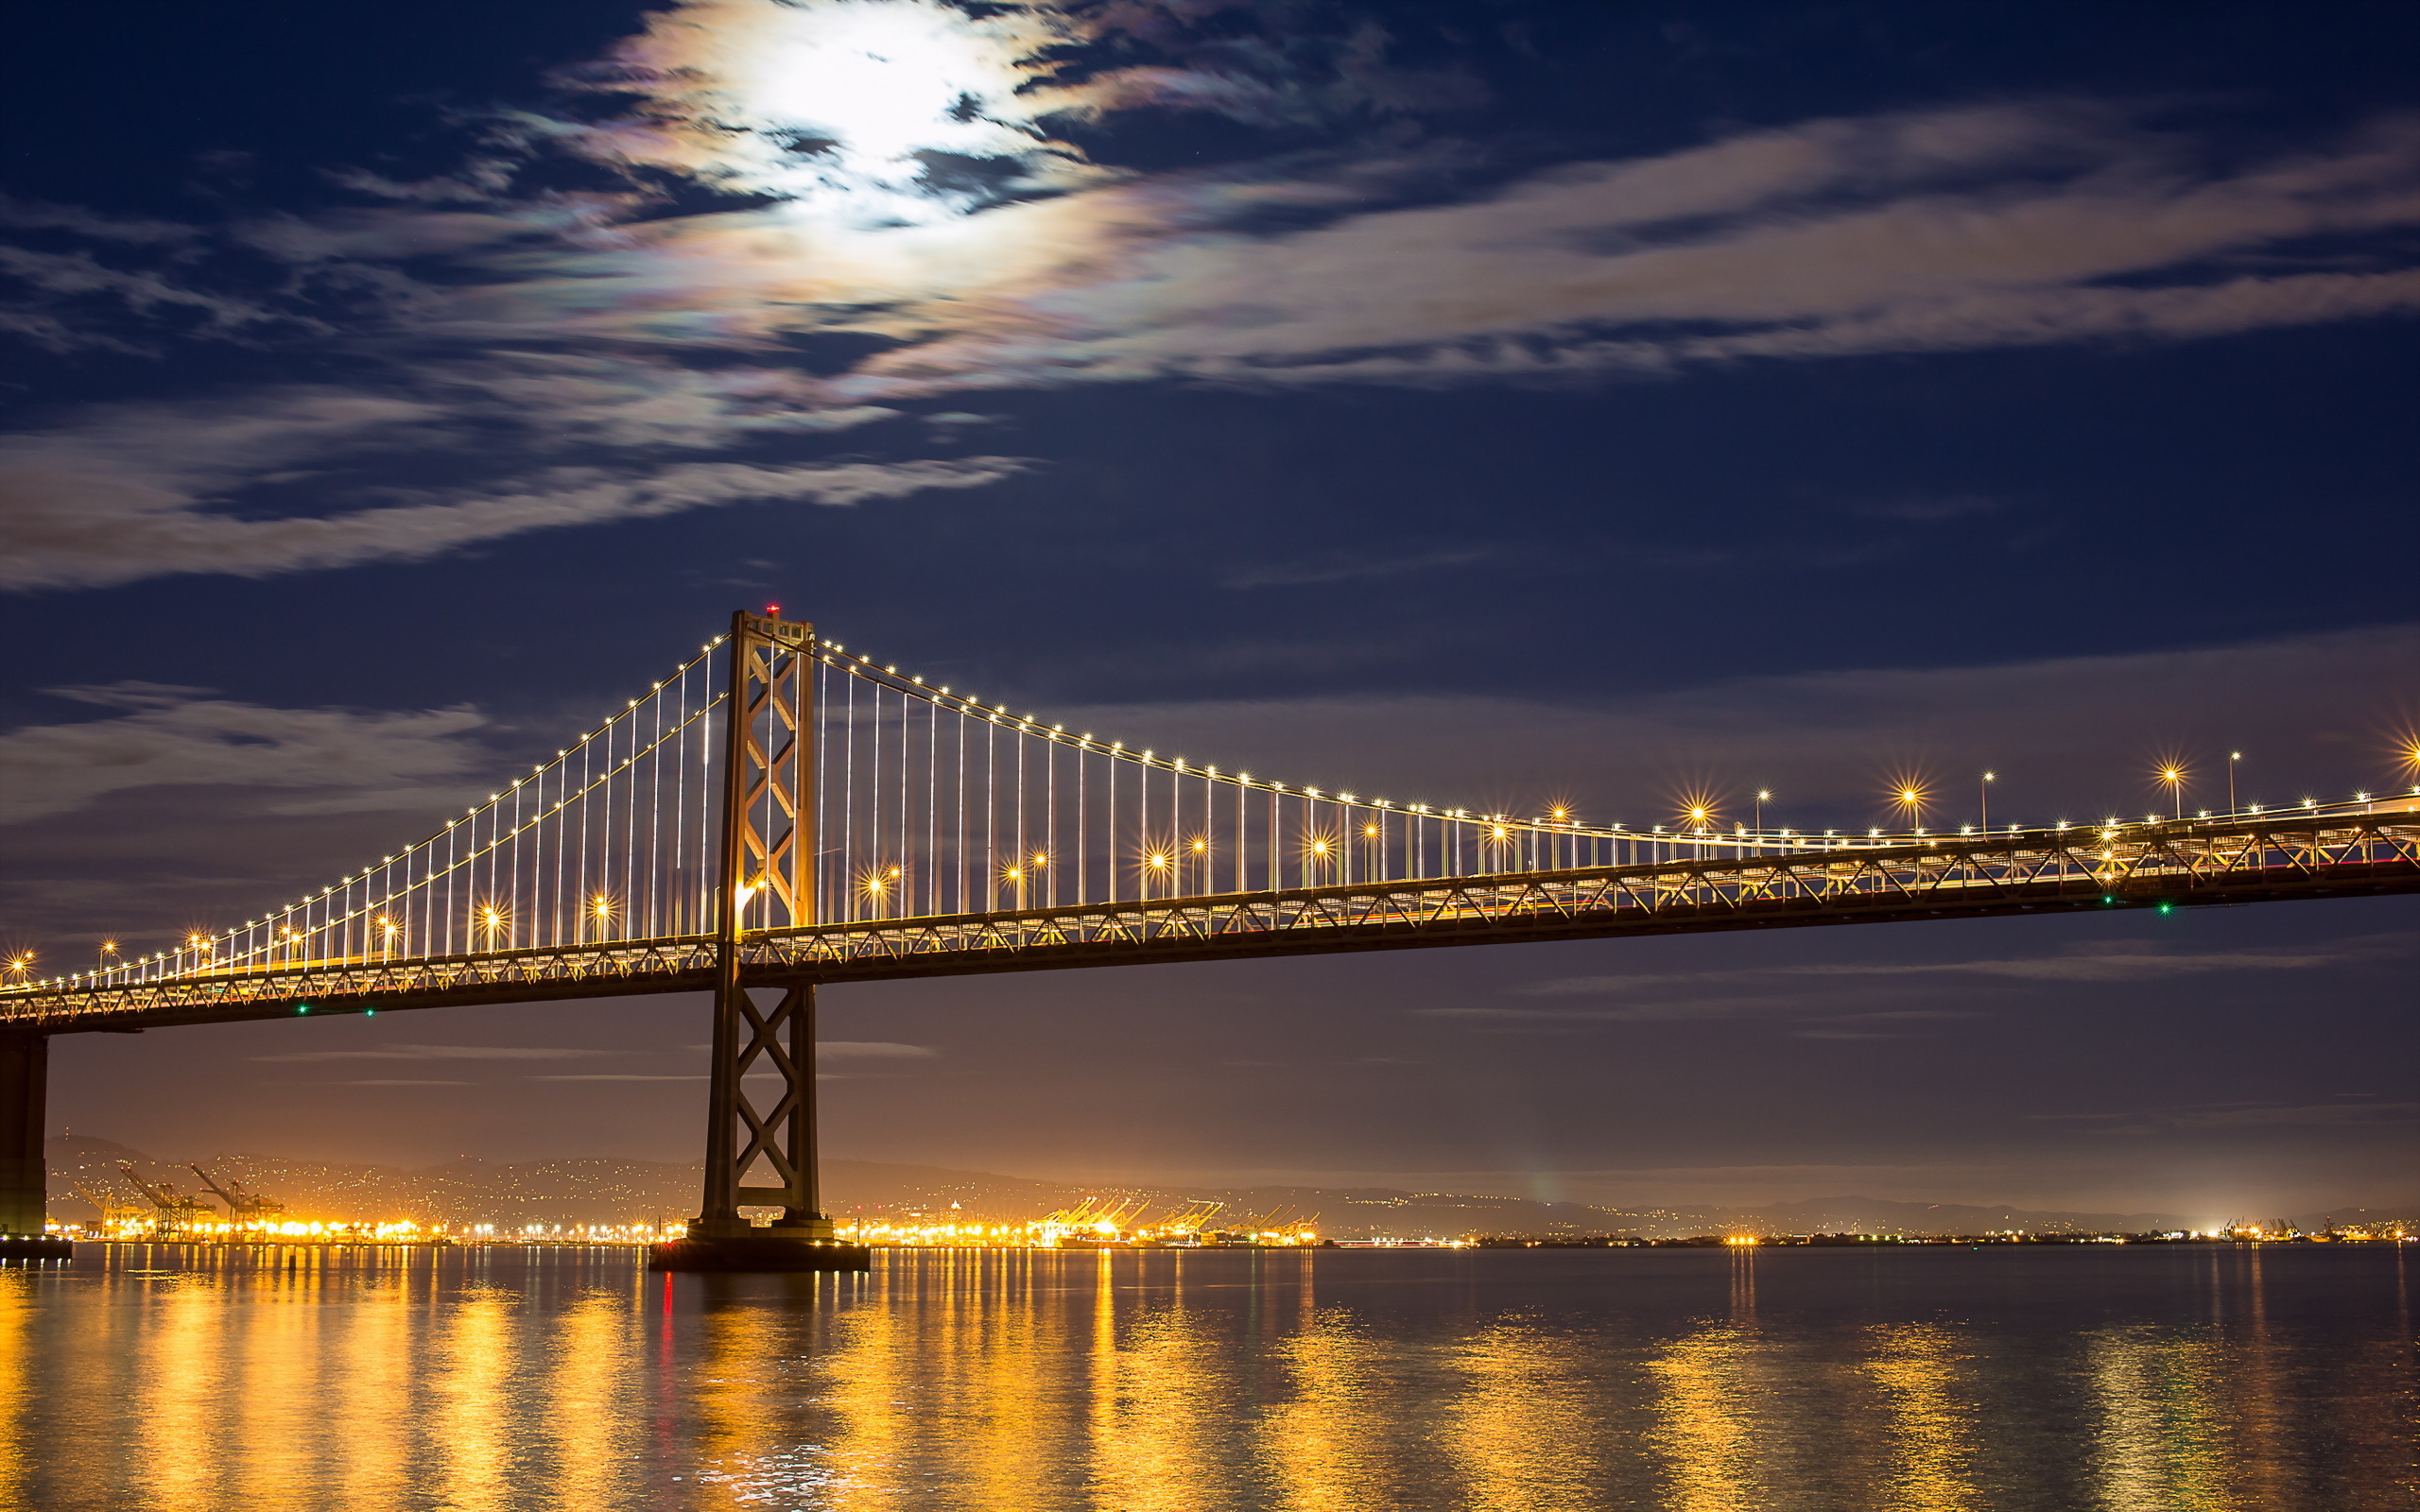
<point x="2309" y="1115"/>
<point x="78" y="519"/>
<point x="1846" y="996"/>
<point x="871" y="1050"/>
<point x="2350" y="1112"/>
<point x="421" y="1052"/>
<point x="2133" y="963"/>
<point x="158" y="735"/>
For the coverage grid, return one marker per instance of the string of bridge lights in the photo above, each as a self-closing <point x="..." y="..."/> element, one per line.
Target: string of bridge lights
<point x="1698" y="824"/>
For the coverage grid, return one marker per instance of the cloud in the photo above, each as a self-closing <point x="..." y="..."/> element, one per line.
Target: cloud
<point x="33" y="215"/>
<point x="1346" y="567"/>
<point x="2322" y="1115"/>
<point x="1800" y="991"/>
<point x="159" y="736"/>
<point x="1775" y="1000"/>
<point x="412" y="1052"/>
<point x="869" y="1050"/>
<point x="76" y="513"/>
<point x="2010" y="225"/>
<point x="2079" y="964"/>
<point x="44" y="293"/>
<point x="618" y="1076"/>
<point x="2246" y="1116"/>
<point x="817" y="216"/>
<point x="1930" y="510"/>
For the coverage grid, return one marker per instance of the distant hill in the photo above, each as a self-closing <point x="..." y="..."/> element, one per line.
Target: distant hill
<point x="1873" y="1215"/>
<point x="605" y="1191"/>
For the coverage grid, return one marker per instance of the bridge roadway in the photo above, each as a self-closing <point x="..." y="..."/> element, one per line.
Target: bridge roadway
<point x="2370" y="849"/>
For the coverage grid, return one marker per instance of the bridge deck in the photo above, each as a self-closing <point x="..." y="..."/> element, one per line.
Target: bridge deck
<point x="2189" y="864"/>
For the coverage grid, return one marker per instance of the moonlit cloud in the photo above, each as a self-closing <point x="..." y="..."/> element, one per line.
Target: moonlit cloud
<point x="900" y="177"/>
<point x="847" y="109"/>
<point x="75" y="512"/>
<point x="155" y="736"/>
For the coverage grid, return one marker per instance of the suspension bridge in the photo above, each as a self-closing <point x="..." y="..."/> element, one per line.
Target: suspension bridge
<point x="779" y="812"/>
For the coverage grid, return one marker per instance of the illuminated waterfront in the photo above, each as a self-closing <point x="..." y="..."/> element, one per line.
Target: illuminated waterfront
<point x="2082" y="1376"/>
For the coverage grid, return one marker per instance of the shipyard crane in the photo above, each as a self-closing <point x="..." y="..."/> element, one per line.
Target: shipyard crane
<point x="177" y="1212"/>
<point x="110" y="1208"/>
<point x="247" y="1209"/>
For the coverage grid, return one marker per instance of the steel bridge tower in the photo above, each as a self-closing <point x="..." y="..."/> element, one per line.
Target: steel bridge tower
<point x="767" y="872"/>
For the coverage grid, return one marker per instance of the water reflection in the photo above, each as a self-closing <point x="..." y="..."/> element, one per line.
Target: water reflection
<point x="1148" y="1383"/>
<point x="1523" y="1425"/>
<point x="17" y="1385"/>
<point x="1930" y="1417"/>
<point x="593" y="1391"/>
<point x="2164" y="1440"/>
<point x="1704" y="1435"/>
<point x="370" y="1373"/>
<point x="1323" y="1440"/>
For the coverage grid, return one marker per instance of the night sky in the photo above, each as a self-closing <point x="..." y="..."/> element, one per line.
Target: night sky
<point x="1497" y="404"/>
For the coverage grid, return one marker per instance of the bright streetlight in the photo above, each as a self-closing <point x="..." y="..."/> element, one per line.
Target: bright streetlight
<point x="2174" y="777"/>
<point x="1910" y="797"/>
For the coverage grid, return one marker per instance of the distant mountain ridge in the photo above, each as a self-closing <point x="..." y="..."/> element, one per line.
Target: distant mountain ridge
<point x="614" y="1190"/>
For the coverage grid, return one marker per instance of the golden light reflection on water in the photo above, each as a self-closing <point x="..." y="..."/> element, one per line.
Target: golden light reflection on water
<point x="866" y="1381"/>
<point x="370" y="1375"/>
<point x="1009" y="1451"/>
<point x="592" y="1392"/>
<point x="1704" y="1433"/>
<point x="1325" y="1443"/>
<point x="968" y="1382"/>
<point x="1166" y="1420"/>
<point x="471" y="1389"/>
<point x="181" y="1360"/>
<point x="1524" y="1429"/>
<point x="1930" y="1412"/>
<point x="16" y="1372"/>
<point x="2162" y="1441"/>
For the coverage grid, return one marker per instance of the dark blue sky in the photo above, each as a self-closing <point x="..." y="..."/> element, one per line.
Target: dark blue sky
<point x="1502" y="398"/>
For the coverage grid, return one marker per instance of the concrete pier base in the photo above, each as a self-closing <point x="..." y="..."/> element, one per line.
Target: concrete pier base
<point x="24" y="1074"/>
<point x="759" y="1253"/>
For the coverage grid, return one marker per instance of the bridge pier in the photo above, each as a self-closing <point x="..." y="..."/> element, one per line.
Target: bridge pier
<point x="780" y="1136"/>
<point x="25" y="1177"/>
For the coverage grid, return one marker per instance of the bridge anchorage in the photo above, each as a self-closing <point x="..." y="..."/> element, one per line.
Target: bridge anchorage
<point x="779" y="814"/>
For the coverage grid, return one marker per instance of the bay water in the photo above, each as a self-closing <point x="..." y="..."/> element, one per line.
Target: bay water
<point x="499" y="1380"/>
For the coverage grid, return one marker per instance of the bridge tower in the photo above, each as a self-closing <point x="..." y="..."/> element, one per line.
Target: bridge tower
<point x="767" y="867"/>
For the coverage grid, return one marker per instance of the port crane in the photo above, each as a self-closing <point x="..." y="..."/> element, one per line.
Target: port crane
<point x="176" y="1211"/>
<point x="110" y="1206"/>
<point x="247" y="1209"/>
